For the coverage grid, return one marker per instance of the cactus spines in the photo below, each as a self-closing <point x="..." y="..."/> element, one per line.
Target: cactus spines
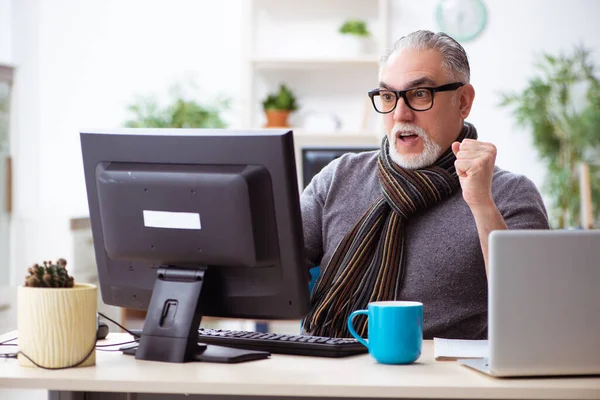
<point x="49" y="275"/>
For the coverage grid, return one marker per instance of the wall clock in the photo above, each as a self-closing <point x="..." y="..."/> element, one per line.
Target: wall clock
<point x="464" y="20"/>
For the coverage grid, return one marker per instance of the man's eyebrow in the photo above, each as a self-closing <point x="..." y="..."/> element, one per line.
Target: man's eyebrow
<point x="384" y="85"/>
<point x="411" y="84"/>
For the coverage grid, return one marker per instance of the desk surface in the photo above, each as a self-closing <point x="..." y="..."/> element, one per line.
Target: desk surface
<point x="357" y="376"/>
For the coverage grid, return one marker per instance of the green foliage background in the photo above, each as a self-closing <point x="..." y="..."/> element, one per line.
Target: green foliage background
<point x="561" y="106"/>
<point x="355" y="27"/>
<point x="180" y="111"/>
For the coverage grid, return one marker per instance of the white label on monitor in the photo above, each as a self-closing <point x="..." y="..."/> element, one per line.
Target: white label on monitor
<point x="171" y="220"/>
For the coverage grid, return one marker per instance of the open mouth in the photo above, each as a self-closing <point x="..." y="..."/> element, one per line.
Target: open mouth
<point x="407" y="137"/>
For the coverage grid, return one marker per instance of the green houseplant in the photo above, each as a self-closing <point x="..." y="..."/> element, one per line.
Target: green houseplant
<point x="180" y="112"/>
<point x="561" y="106"/>
<point x="355" y="37"/>
<point x="51" y="302"/>
<point x="355" y="27"/>
<point x="278" y="106"/>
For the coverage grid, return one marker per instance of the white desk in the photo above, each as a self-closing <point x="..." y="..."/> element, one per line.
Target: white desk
<point x="284" y="376"/>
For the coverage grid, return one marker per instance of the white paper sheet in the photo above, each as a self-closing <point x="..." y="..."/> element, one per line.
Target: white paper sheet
<point x="453" y="349"/>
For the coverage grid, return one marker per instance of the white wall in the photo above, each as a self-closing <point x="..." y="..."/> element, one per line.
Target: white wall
<point x="5" y="59"/>
<point x="501" y="59"/>
<point x="5" y="31"/>
<point x="80" y="63"/>
<point x="27" y="222"/>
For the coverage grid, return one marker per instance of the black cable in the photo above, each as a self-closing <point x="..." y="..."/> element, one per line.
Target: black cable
<point x="68" y="366"/>
<point x="119" y="349"/>
<point x="15" y="355"/>
<point x="119" y="325"/>
<point x="8" y="355"/>
<point x="6" y="341"/>
<point x="114" y="344"/>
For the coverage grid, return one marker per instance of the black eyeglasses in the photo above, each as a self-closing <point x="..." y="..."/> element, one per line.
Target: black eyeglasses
<point x="417" y="99"/>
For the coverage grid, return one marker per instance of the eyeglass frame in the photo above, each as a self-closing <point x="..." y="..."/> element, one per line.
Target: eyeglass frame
<point x="402" y="93"/>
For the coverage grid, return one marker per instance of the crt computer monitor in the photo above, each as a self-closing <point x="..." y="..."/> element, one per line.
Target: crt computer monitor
<point x="193" y="222"/>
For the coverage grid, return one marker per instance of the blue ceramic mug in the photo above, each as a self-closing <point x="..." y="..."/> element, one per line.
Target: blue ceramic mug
<point x="395" y="331"/>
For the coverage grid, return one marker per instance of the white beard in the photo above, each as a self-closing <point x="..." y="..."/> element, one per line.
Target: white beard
<point x="429" y="155"/>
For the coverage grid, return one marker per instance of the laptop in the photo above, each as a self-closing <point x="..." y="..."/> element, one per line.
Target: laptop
<point x="543" y="304"/>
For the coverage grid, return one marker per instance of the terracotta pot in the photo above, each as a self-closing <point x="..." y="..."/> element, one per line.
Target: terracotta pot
<point x="57" y="326"/>
<point x="277" y="118"/>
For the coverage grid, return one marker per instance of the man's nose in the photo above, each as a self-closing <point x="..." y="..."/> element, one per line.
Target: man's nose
<point x="403" y="112"/>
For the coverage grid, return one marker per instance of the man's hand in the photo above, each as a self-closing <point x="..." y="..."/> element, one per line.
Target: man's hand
<point x="475" y="168"/>
<point x="474" y="164"/>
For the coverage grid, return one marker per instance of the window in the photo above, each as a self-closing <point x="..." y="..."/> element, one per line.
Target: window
<point x="6" y="75"/>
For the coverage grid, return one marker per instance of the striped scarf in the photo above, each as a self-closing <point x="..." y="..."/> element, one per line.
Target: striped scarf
<point x="368" y="264"/>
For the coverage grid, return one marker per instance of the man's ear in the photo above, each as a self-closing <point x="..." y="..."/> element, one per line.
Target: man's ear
<point x="466" y="100"/>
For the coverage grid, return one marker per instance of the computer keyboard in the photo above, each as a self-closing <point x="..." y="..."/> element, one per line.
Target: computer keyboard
<point x="302" y="345"/>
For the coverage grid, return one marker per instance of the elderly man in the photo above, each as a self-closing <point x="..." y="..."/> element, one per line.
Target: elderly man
<point x="411" y="221"/>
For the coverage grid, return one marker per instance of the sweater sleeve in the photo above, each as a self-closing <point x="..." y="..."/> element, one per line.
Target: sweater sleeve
<point x="312" y="205"/>
<point x="521" y="204"/>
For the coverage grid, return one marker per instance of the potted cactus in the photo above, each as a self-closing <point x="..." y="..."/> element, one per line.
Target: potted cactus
<point x="57" y="319"/>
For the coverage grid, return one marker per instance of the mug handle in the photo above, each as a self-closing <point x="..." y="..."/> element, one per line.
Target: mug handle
<point x="351" y="328"/>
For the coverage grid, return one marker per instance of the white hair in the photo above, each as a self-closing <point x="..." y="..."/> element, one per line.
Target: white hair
<point x="455" y="59"/>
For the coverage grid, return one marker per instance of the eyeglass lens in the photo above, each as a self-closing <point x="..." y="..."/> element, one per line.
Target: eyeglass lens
<point x="418" y="98"/>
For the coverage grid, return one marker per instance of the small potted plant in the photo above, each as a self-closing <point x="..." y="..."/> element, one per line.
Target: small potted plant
<point x="57" y="318"/>
<point x="278" y="106"/>
<point x="356" y="37"/>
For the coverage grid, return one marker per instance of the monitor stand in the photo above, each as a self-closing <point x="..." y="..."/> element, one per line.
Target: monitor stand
<point x="170" y="331"/>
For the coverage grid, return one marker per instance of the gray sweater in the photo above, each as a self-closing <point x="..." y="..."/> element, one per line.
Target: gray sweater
<point x="445" y="269"/>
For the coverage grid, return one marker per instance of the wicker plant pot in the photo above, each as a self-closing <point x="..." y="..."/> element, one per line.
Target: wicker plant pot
<point x="57" y="326"/>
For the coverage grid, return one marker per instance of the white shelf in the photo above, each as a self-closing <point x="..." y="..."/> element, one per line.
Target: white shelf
<point x="335" y="134"/>
<point x="298" y="43"/>
<point x="276" y="63"/>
